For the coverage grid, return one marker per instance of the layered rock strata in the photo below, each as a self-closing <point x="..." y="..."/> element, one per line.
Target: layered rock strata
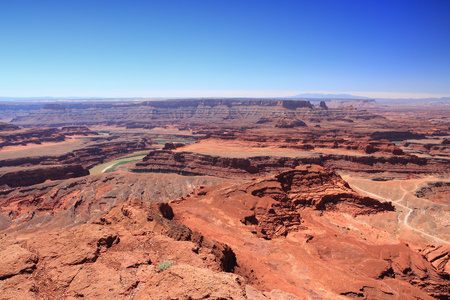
<point x="53" y="204"/>
<point x="188" y="163"/>
<point x="13" y="177"/>
<point x="187" y="110"/>
<point x="87" y="157"/>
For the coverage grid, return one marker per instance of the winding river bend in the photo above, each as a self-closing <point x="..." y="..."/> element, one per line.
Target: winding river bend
<point x="109" y="166"/>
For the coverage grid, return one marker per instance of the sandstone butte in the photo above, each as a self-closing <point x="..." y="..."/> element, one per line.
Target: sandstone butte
<point x="254" y="209"/>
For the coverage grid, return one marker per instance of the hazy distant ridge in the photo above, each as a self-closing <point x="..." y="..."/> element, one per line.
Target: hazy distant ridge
<point x="329" y="96"/>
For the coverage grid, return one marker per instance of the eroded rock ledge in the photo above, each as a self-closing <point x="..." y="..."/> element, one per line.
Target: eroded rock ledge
<point x="189" y="163"/>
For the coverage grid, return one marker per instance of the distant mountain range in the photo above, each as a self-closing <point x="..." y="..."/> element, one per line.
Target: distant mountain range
<point x="329" y="96"/>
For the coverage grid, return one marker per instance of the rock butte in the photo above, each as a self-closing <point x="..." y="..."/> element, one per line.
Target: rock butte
<point x="235" y="199"/>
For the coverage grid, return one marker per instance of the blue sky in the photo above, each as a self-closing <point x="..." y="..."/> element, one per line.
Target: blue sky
<point x="224" y="48"/>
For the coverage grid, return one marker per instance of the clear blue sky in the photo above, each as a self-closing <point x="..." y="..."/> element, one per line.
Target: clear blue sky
<point x="151" y="48"/>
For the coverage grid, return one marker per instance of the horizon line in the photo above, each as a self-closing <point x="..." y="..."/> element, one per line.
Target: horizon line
<point x="234" y="94"/>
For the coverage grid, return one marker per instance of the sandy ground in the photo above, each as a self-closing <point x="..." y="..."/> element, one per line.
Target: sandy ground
<point x="242" y="149"/>
<point x="418" y="219"/>
<point x="170" y="130"/>
<point x="44" y="149"/>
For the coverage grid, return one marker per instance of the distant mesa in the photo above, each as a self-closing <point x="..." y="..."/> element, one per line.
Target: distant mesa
<point x="396" y="135"/>
<point x="8" y="127"/>
<point x="287" y="123"/>
<point x="54" y="106"/>
<point x="77" y="130"/>
<point x="84" y="113"/>
<point x="172" y="146"/>
<point x="297" y="104"/>
<point x="351" y="103"/>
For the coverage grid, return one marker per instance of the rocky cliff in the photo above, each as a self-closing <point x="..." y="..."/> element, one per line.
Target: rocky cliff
<point x="131" y="252"/>
<point x="188" y="163"/>
<point x="87" y="157"/>
<point x="11" y="177"/>
<point x="8" y="127"/>
<point x="30" y="136"/>
<point x="185" y="110"/>
<point x="11" y="135"/>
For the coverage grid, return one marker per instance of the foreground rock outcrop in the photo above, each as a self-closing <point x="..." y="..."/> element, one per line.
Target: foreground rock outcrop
<point x="134" y="251"/>
<point x="300" y="224"/>
<point x="292" y="235"/>
<point x="67" y="203"/>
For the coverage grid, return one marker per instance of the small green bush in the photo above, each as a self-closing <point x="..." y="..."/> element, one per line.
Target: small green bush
<point x="165" y="265"/>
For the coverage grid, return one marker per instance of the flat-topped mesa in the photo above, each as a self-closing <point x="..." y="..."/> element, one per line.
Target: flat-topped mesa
<point x="188" y="163"/>
<point x="396" y="135"/>
<point x="289" y="104"/>
<point x="26" y="136"/>
<point x="77" y="130"/>
<point x="187" y="110"/>
<point x="12" y="135"/>
<point x="87" y="157"/>
<point x="8" y="127"/>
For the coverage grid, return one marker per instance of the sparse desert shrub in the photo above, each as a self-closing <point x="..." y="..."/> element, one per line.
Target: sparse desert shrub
<point x="164" y="265"/>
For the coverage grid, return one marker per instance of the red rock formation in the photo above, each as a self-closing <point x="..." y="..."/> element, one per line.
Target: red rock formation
<point x="380" y="146"/>
<point x="15" y="258"/>
<point x="77" y="130"/>
<point x="197" y="111"/>
<point x="172" y="146"/>
<point x="304" y="244"/>
<point x="30" y="136"/>
<point x="143" y="250"/>
<point x="396" y="135"/>
<point x="439" y="257"/>
<point x="87" y="157"/>
<point x="289" y="123"/>
<point x="277" y="211"/>
<point x="79" y="200"/>
<point x="11" y="177"/>
<point x="323" y="105"/>
<point x="131" y="251"/>
<point x="187" y="163"/>
<point x="8" y="127"/>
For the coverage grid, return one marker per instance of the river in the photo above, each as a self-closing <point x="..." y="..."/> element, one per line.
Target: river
<point x="104" y="167"/>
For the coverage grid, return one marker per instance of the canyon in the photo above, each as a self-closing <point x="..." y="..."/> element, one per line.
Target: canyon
<point x="233" y="199"/>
